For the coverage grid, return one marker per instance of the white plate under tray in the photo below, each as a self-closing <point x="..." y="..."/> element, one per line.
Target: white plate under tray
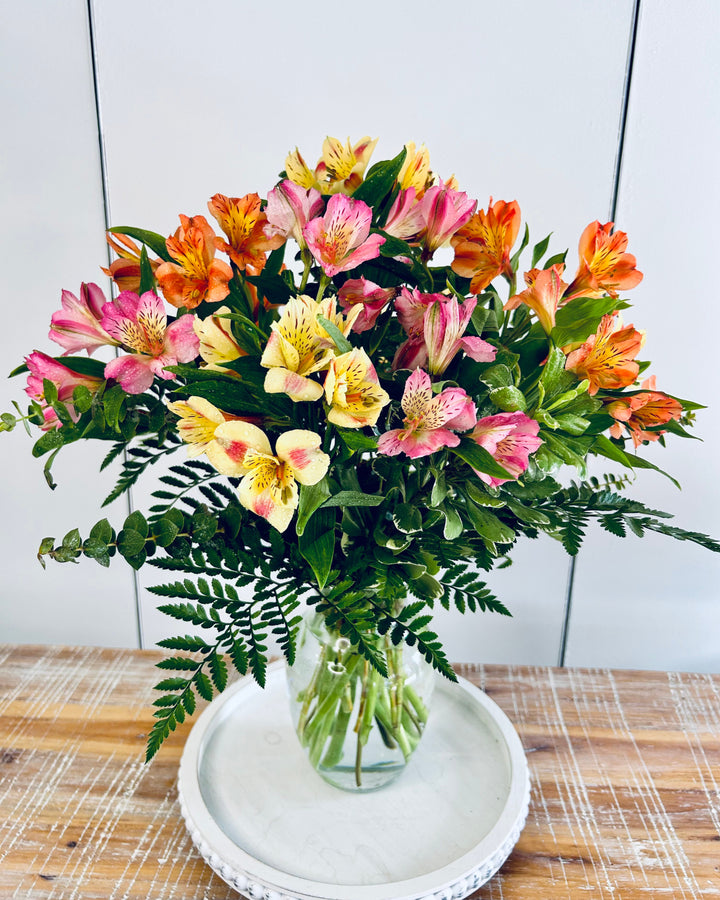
<point x="274" y="830"/>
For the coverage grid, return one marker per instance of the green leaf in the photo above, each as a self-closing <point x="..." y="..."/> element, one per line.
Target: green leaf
<point x="136" y="521"/>
<point x="554" y="378"/>
<point x="379" y="180"/>
<point x="539" y="250"/>
<point x="340" y="341"/>
<point x="523" y="244"/>
<point x="508" y="399"/>
<point x="156" y="242"/>
<point x="83" y="365"/>
<point x="51" y="440"/>
<point x="147" y="278"/>
<point x="94" y="548"/>
<point x="489" y="526"/>
<point x="478" y="458"/>
<point x="113" y="401"/>
<point x="453" y="523"/>
<point x="407" y="518"/>
<point x="166" y="530"/>
<point x="312" y="497"/>
<point x="356" y="440"/>
<point x="394" y="246"/>
<point x="72" y="540"/>
<point x="603" y="446"/>
<point x="82" y="398"/>
<point x="528" y="514"/>
<point x="204" y="526"/>
<point x="353" y="498"/>
<point x="555" y="260"/>
<point x="317" y="544"/>
<point x="497" y="377"/>
<point x="102" y="531"/>
<point x="130" y="543"/>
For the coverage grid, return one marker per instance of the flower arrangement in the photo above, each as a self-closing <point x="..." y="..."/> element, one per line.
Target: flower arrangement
<point x="366" y="430"/>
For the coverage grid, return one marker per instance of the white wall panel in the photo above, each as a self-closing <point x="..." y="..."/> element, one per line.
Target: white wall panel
<point x="519" y="100"/>
<point x="51" y="234"/>
<point x="656" y="602"/>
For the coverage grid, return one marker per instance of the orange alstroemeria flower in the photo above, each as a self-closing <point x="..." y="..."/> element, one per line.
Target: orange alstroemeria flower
<point x="606" y="359"/>
<point x="196" y="275"/>
<point x="644" y="410"/>
<point x="605" y="267"/>
<point x="125" y="271"/>
<point x="483" y="245"/>
<point x="243" y="222"/>
<point x="545" y="291"/>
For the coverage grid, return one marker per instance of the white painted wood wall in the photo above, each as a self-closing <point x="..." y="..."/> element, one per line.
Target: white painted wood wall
<point x="520" y="100"/>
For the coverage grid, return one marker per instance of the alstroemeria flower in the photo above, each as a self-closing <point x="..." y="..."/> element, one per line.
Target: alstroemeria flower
<point x="430" y="421"/>
<point x="43" y="367"/>
<point x="140" y="324"/>
<point x="342" y="166"/>
<point x="606" y="358"/>
<point x="405" y="219"/>
<point x="298" y="346"/>
<point x="510" y="438"/>
<point x="483" y="245"/>
<point x="638" y="412"/>
<point x="352" y="391"/>
<point x="604" y="267"/>
<point x="217" y="344"/>
<point x="415" y="172"/>
<point x="125" y="271"/>
<point x="341" y="240"/>
<point x="197" y="425"/>
<point x="244" y="223"/>
<point x="196" y="275"/>
<point x="289" y="209"/>
<point x="435" y="325"/>
<point x="545" y="291"/>
<point x="269" y="481"/>
<point x="444" y="329"/>
<point x="77" y="325"/>
<point x="369" y="297"/>
<point x="444" y="210"/>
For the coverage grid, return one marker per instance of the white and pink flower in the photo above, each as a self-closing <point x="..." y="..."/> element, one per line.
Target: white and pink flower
<point x="140" y="324"/>
<point x="43" y="367"/>
<point x="370" y="297"/>
<point x="510" y="438"/>
<point x="77" y="326"/>
<point x="341" y="240"/>
<point x="431" y="422"/>
<point x="289" y="209"/>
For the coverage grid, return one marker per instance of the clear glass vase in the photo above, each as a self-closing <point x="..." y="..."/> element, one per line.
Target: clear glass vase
<point x="358" y="728"/>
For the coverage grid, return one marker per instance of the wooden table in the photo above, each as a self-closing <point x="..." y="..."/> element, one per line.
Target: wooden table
<point x="625" y="769"/>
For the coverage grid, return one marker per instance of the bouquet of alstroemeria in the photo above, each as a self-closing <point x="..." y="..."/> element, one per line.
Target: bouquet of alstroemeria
<point x="366" y="431"/>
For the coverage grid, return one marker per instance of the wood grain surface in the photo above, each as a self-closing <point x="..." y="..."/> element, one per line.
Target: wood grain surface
<point x="625" y="771"/>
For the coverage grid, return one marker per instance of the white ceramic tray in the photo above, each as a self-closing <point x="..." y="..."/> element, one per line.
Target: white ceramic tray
<point x="274" y="830"/>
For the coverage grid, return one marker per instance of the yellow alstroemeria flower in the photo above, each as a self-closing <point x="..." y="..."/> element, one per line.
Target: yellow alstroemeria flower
<point x="269" y="480"/>
<point x="299" y="346"/>
<point x="353" y="392"/>
<point x="199" y="420"/>
<point x="415" y="170"/>
<point x="217" y="344"/>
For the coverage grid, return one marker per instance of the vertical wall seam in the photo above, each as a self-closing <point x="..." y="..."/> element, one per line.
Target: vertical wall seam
<point x="107" y="219"/>
<point x="615" y="192"/>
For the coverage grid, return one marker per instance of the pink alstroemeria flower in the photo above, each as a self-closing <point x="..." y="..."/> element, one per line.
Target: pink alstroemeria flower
<point x="370" y="297"/>
<point x="289" y="209"/>
<point x="436" y="325"/>
<point x="341" y="240"/>
<point x="430" y="422"/>
<point x="510" y="438"/>
<point x="444" y="211"/>
<point x="405" y="219"/>
<point x="140" y="324"/>
<point x="43" y="367"/>
<point x="77" y="325"/>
